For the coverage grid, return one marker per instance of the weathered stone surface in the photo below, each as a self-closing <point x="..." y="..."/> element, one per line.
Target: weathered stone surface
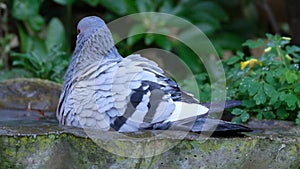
<point x="29" y="140"/>
<point x="29" y="93"/>
<point x="56" y="147"/>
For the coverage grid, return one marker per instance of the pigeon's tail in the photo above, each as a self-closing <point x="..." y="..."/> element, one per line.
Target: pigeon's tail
<point x="204" y="125"/>
<point x="216" y="107"/>
<point x="218" y="127"/>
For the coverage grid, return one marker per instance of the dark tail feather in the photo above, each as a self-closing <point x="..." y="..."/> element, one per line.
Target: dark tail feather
<point x="219" y="127"/>
<point x="216" y="107"/>
<point x="203" y="125"/>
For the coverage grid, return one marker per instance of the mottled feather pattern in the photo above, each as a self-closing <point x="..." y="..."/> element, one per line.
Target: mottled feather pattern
<point x="134" y="85"/>
<point x="104" y="91"/>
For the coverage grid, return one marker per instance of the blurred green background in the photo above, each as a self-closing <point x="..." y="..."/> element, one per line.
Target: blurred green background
<point x="38" y="37"/>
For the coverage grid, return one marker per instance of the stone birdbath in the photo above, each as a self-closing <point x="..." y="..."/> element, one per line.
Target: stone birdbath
<point x="30" y="137"/>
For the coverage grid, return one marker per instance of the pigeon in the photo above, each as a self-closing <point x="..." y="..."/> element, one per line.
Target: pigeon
<point x="102" y="90"/>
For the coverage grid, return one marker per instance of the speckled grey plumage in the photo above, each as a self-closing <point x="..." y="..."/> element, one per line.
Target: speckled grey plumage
<point x="103" y="90"/>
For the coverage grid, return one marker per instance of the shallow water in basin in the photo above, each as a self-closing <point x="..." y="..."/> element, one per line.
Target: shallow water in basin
<point x="10" y="117"/>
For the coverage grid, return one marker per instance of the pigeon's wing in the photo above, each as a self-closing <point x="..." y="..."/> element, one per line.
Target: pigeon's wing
<point x="144" y="96"/>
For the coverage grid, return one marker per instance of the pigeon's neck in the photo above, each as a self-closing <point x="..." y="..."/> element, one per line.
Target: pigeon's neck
<point x="97" y="48"/>
<point x="92" y="52"/>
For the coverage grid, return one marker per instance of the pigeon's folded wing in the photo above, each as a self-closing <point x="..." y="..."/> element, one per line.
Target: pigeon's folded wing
<point x="144" y="96"/>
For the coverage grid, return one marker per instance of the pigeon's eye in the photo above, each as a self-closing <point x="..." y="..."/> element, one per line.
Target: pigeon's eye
<point x="78" y="31"/>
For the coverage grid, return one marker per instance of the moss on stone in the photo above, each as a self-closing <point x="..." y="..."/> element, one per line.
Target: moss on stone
<point x="63" y="148"/>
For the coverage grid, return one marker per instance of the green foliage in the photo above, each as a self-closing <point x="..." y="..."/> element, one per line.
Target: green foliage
<point x="269" y="85"/>
<point x="42" y="47"/>
<point x="208" y="16"/>
<point x="204" y="87"/>
<point x="38" y="37"/>
<point x="27" y="11"/>
<point x="52" y="66"/>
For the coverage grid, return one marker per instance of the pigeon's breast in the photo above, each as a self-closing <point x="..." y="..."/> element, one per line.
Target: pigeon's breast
<point x="91" y="98"/>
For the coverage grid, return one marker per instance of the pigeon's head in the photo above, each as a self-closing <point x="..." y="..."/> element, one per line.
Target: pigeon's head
<point x="93" y="35"/>
<point x="89" y="25"/>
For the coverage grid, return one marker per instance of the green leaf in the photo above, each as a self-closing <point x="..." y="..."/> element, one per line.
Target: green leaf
<point x="270" y="77"/>
<point x="240" y="54"/>
<point x="36" y="22"/>
<point x="248" y="103"/>
<point x="282" y="114"/>
<point x="119" y="7"/>
<point x="274" y="99"/>
<point x="259" y="116"/>
<point x="254" y="44"/>
<point x="277" y="104"/>
<point x="245" y="116"/>
<point x="238" y="111"/>
<point x="232" y="60"/>
<point x="201" y="17"/>
<point x="292" y="49"/>
<point x="269" y="115"/>
<point x="24" y="10"/>
<point x="36" y="61"/>
<point x="282" y="96"/>
<point x="189" y="57"/>
<point x="66" y="2"/>
<point x="163" y="42"/>
<point x="167" y="7"/>
<point x="260" y="97"/>
<point x="138" y="31"/>
<point x="291" y="76"/>
<point x="23" y="61"/>
<point x="229" y="41"/>
<point x="284" y="42"/>
<point x="55" y="34"/>
<point x="26" y="42"/>
<point x="134" y="39"/>
<point x="270" y="36"/>
<point x="291" y="100"/>
<point x="92" y="3"/>
<point x="245" y="84"/>
<point x="39" y="48"/>
<point x="149" y="38"/>
<point x="206" y="28"/>
<point x="269" y="90"/>
<point x="254" y="87"/>
<point x="141" y="6"/>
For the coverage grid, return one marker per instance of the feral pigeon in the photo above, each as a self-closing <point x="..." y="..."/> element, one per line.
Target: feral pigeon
<point x="102" y="90"/>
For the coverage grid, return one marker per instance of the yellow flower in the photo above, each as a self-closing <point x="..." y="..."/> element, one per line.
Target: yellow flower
<point x="251" y="63"/>
<point x="268" y="49"/>
<point x="286" y="38"/>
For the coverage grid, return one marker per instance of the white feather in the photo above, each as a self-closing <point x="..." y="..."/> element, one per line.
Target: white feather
<point x="163" y="111"/>
<point x="185" y="110"/>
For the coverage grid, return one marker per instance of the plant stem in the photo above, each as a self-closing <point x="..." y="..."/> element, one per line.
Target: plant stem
<point x="281" y="56"/>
